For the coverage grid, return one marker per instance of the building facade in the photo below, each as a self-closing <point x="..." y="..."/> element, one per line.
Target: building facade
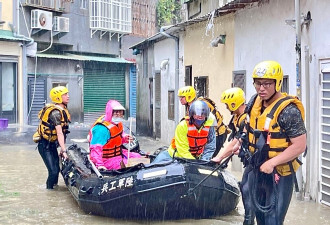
<point x="76" y="44"/>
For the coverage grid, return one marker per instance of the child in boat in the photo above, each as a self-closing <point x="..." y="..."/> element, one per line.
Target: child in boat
<point x="106" y="138"/>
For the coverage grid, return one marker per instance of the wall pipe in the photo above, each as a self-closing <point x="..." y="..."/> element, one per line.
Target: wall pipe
<point x="308" y="124"/>
<point x="298" y="80"/>
<point x="176" y="103"/>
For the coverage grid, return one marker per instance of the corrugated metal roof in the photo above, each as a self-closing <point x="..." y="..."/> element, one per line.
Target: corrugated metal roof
<point x="83" y="58"/>
<point x="9" y="36"/>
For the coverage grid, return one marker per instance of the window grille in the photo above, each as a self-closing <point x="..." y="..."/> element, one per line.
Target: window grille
<point x="111" y="16"/>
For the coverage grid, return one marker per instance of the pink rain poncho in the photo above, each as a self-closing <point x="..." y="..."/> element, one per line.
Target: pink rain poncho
<point x="99" y="136"/>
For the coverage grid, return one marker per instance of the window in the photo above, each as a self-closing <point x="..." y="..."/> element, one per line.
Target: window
<point x="201" y="85"/>
<point x="239" y="79"/>
<point x="0" y="12"/>
<point x="56" y="84"/>
<point x="285" y="85"/>
<point x="171" y="98"/>
<point x="188" y="76"/>
<point x="83" y="4"/>
<point x="8" y="88"/>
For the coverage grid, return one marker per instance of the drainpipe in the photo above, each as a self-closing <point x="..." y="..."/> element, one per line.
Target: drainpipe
<point x="176" y="103"/>
<point x="298" y="80"/>
<point x="308" y="125"/>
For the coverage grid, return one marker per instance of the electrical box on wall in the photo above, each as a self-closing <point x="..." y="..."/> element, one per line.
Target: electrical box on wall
<point x="61" y="24"/>
<point x="41" y="19"/>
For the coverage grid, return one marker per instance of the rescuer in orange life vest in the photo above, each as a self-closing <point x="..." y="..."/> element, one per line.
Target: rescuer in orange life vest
<point x="106" y="138"/>
<point x="194" y="136"/>
<point x="187" y="96"/>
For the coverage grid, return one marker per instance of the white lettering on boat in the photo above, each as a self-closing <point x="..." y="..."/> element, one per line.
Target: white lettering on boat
<point x="125" y="182"/>
<point x="154" y="174"/>
<point x="129" y="182"/>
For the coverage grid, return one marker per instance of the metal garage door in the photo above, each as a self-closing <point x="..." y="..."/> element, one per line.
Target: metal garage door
<point x="325" y="137"/>
<point x="132" y="91"/>
<point x="99" y="87"/>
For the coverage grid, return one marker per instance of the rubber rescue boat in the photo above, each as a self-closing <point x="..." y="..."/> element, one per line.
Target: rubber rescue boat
<point x="173" y="190"/>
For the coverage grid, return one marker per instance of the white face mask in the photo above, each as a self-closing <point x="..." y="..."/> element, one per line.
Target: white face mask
<point x="117" y="119"/>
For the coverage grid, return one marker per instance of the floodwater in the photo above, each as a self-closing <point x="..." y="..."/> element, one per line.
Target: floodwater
<point x="24" y="199"/>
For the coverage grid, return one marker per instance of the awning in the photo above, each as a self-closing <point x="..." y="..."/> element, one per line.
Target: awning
<point x="83" y="58"/>
<point x="9" y="36"/>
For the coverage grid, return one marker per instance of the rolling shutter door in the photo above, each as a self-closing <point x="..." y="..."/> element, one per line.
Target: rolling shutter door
<point x="99" y="87"/>
<point x="325" y="137"/>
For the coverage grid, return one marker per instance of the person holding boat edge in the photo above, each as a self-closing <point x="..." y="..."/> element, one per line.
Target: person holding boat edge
<point x="276" y="137"/>
<point x="52" y="132"/>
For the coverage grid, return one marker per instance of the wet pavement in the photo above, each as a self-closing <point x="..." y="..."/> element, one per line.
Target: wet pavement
<point x="24" y="199"/>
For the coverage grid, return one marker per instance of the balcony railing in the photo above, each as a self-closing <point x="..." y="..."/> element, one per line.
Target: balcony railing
<point x="111" y="16"/>
<point x="54" y="5"/>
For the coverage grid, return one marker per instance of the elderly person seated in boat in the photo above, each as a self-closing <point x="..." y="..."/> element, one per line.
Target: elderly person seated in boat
<point x="194" y="136"/>
<point x="106" y="138"/>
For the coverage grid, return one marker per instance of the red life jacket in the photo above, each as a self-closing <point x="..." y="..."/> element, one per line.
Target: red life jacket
<point x="113" y="146"/>
<point x="197" y="140"/>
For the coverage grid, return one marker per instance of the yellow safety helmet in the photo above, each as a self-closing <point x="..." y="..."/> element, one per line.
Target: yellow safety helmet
<point x="56" y="93"/>
<point x="269" y="70"/>
<point x="188" y="92"/>
<point x="233" y="97"/>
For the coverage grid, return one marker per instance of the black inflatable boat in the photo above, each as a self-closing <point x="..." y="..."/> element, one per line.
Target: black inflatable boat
<point x="154" y="192"/>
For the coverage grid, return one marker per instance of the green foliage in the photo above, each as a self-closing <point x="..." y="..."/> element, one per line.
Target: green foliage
<point x="168" y="11"/>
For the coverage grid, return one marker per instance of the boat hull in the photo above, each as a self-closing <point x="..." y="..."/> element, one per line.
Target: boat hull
<point x="151" y="192"/>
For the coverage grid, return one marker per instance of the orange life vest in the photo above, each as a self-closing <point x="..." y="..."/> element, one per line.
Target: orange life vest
<point x="197" y="139"/>
<point x="276" y="137"/>
<point x="113" y="146"/>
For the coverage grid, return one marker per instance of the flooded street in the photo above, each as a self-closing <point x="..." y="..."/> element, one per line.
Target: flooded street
<point x="24" y="199"/>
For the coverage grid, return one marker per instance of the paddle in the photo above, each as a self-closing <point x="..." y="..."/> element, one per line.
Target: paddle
<point x="99" y="175"/>
<point x="221" y="165"/>
<point x="129" y="140"/>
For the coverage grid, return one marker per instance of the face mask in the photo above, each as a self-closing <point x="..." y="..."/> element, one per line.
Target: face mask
<point x="198" y="123"/>
<point x="116" y="120"/>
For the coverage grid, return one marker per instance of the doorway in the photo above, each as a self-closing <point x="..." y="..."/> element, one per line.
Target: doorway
<point x="8" y="91"/>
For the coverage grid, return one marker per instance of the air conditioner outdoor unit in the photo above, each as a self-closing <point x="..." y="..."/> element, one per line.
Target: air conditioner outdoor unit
<point x="41" y="19"/>
<point x="61" y="24"/>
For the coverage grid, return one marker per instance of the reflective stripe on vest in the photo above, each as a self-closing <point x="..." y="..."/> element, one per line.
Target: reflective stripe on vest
<point x="277" y="140"/>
